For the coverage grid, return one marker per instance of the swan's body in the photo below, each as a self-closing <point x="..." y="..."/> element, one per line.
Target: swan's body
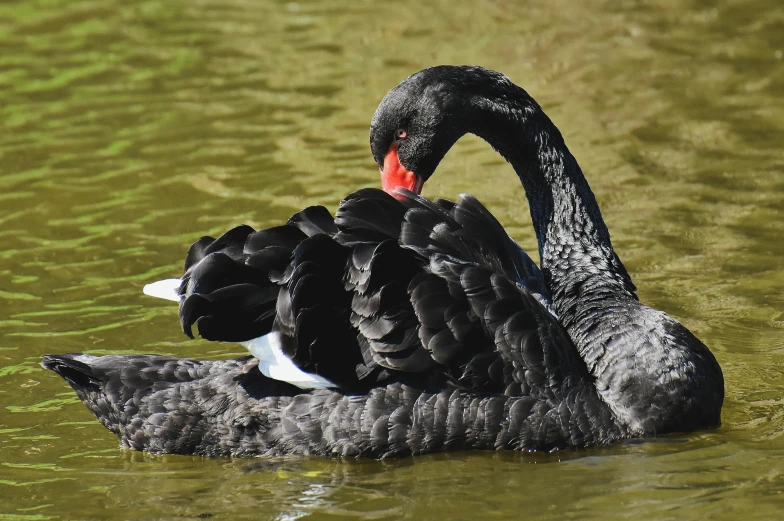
<point x="404" y="326"/>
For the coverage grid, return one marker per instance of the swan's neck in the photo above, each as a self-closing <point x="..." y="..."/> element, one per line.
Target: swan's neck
<point x="576" y="254"/>
<point x="653" y="372"/>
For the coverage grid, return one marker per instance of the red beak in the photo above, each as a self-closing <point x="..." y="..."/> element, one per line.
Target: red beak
<point x="394" y="175"/>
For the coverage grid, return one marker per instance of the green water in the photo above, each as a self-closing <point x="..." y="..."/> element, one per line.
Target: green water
<point x="130" y="129"/>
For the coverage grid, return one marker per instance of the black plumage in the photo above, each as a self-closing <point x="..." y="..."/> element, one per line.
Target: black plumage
<point x="436" y="330"/>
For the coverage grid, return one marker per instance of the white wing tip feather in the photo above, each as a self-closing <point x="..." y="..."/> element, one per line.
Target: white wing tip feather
<point x="273" y="363"/>
<point x="165" y="289"/>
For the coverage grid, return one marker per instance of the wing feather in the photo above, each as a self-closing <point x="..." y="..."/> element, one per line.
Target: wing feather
<point x="434" y="292"/>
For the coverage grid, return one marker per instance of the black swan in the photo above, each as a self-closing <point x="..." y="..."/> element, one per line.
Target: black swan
<point x="405" y="326"/>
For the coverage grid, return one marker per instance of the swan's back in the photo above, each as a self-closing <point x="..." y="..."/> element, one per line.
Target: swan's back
<point x="387" y="291"/>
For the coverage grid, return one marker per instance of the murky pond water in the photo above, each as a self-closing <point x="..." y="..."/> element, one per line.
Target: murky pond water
<point x="129" y="129"/>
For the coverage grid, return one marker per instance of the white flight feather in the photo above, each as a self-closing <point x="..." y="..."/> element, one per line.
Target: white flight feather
<point x="165" y="289"/>
<point x="273" y="363"/>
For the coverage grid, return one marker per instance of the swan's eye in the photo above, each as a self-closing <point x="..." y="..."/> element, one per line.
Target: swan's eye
<point x="401" y="133"/>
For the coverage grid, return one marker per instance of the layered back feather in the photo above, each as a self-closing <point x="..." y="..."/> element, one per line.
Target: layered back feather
<point x="432" y="293"/>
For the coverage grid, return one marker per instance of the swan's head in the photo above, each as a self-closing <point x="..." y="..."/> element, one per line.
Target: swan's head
<point x="420" y="119"/>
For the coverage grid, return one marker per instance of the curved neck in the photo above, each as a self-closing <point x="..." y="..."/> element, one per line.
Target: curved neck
<point x="576" y="254"/>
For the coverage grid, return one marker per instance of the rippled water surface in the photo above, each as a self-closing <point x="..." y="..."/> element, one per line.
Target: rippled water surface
<point x="130" y="129"/>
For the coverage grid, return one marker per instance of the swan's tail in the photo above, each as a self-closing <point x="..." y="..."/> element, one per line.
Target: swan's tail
<point x="75" y="372"/>
<point x="163" y="404"/>
<point x="90" y="384"/>
<point x="120" y="390"/>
